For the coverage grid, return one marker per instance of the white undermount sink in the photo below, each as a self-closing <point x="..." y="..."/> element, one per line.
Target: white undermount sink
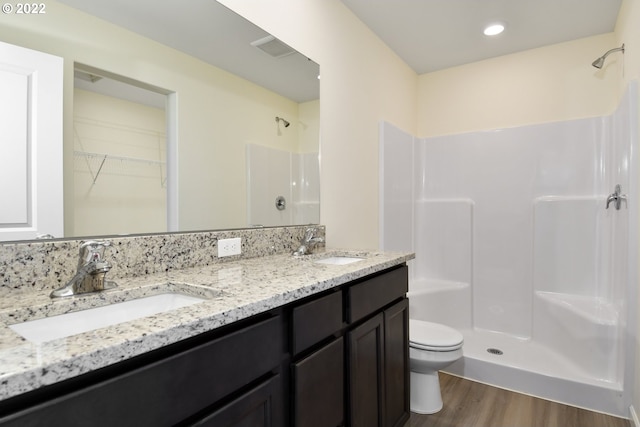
<point x="338" y="260"/>
<point x="65" y="325"/>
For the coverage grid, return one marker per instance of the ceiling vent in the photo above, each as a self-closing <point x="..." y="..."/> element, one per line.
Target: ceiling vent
<point x="273" y="47"/>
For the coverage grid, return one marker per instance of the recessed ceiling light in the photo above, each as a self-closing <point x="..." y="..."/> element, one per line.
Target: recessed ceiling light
<point x="493" y="29"/>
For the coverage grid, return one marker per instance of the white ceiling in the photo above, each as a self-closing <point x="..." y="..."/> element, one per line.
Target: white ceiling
<point x="431" y="35"/>
<point x="209" y="31"/>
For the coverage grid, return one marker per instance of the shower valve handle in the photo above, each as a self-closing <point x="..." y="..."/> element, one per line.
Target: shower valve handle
<point x="617" y="198"/>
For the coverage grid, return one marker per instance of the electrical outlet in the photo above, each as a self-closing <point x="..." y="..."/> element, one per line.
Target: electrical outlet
<point x="228" y="247"/>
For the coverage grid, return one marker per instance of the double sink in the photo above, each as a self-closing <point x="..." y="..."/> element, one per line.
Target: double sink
<point x="125" y="306"/>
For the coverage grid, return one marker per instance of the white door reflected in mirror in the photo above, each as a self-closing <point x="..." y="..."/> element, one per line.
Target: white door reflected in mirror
<point x="31" y="148"/>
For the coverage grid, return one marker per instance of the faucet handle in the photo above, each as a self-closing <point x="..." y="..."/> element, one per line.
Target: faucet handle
<point x="308" y="233"/>
<point x="92" y="250"/>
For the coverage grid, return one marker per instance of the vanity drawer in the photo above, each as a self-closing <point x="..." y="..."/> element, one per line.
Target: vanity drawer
<point x="316" y="320"/>
<point x="169" y="390"/>
<point x="372" y="294"/>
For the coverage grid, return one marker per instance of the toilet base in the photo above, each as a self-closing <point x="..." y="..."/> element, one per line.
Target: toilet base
<point x="425" y="393"/>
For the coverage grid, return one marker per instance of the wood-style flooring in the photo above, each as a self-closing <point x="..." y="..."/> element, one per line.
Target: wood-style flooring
<point x="471" y="404"/>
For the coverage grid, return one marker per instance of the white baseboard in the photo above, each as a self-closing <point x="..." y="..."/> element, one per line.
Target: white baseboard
<point x="635" y="422"/>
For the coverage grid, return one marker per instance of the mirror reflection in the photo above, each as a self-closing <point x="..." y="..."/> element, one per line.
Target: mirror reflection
<point x="214" y="156"/>
<point x="119" y="157"/>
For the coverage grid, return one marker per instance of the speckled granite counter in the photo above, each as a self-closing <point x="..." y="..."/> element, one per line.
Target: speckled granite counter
<point x="235" y="290"/>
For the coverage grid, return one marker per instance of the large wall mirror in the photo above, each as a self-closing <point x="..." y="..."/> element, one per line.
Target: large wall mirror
<point x="178" y="116"/>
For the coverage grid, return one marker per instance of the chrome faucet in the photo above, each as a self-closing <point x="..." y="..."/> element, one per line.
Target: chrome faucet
<point x="616" y="198"/>
<point x="309" y="241"/>
<point x="92" y="269"/>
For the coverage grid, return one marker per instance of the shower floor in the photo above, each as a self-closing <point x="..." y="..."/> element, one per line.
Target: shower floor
<point x="528" y="367"/>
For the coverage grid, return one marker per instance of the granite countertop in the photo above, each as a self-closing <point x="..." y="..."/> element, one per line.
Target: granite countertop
<point x="233" y="290"/>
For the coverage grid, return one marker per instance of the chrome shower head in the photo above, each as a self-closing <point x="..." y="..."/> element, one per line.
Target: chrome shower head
<point x="280" y="119"/>
<point x="598" y="63"/>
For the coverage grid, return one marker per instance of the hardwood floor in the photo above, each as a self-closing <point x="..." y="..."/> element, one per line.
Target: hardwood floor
<point x="471" y="404"/>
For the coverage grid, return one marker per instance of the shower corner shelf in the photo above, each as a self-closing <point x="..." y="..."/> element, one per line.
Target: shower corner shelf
<point x="98" y="161"/>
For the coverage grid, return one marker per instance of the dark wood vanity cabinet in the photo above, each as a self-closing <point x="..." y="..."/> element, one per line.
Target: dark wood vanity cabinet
<point x="317" y="369"/>
<point x="337" y="359"/>
<point x="360" y="376"/>
<point x="231" y="377"/>
<point x="378" y="352"/>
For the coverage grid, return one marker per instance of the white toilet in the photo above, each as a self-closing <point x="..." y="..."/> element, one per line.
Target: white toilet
<point x="431" y="347"/>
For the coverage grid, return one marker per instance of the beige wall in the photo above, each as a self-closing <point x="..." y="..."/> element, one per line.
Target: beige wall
<point x="535" y="86"/>
<point x="218" y="113"/>
<point x="309" y="126"/>
<point x="628" y="32"/>
<point x="362" y="82"/>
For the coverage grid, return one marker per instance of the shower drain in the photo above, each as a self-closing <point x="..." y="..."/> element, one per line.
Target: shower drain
<point x="495" y="351"/>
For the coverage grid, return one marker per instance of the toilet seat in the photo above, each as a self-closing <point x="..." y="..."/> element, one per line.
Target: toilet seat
<point x="433" y="336"/>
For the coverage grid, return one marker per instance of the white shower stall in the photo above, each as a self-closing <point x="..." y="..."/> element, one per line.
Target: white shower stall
<point x="516" y="248"/>
<point x="293" y="178"/>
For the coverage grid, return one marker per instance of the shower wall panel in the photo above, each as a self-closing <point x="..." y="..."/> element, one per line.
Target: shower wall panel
<point x="623" y="128"/>
<point x="566" y="244"/>
<point x="443" y="245"/>
<point x="305" y="188"/>
<point x="503" y="172"/>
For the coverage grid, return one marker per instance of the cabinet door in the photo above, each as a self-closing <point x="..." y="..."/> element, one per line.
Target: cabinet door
<point x="366" y="364"/>
<point x="318" y="382"/>
<point x="396" y="364"/>
<point x="259" y="407"/>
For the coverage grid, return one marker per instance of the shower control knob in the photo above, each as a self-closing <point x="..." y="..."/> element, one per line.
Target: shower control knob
<point x="617" y="198"/>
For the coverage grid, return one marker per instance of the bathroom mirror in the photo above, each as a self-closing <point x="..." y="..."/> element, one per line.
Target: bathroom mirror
<point x="240" y="99"/>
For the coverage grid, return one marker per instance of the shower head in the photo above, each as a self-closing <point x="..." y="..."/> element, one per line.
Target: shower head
<point x="598" y="63"/>
<point x="280" y="119"/>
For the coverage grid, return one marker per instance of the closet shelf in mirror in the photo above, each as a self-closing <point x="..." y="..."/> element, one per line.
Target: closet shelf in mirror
<point x="100" y="163"/>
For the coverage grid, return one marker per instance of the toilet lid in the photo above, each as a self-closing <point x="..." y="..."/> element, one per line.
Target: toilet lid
<point x="433" y="336"/>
